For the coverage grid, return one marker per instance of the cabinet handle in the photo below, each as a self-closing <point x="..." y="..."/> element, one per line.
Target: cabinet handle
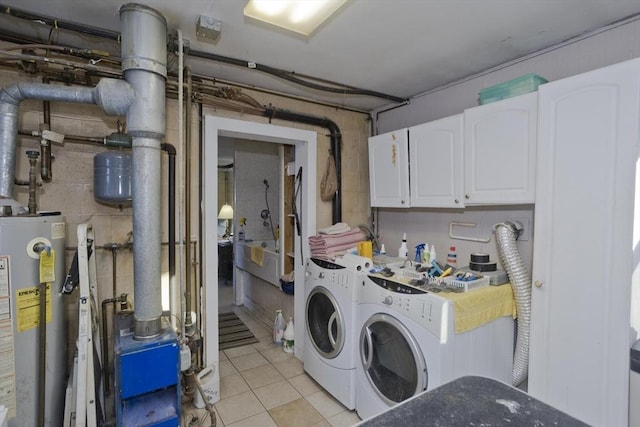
<point x="457" y="201"/>
<point x="466" y="196"/>
<point x="537" y="284"/>
<point x="402" y="202"/>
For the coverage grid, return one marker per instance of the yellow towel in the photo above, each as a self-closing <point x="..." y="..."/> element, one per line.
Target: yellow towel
<point x="480" y="306"/>
<point x="257" y="255"/>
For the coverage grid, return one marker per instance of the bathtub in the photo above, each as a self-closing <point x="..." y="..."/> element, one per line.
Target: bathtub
<point x="270" y="268"/>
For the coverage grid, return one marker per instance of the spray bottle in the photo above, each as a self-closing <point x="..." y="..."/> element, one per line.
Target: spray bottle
<point x="403" y="251"/>
<point x="419" y="252"/>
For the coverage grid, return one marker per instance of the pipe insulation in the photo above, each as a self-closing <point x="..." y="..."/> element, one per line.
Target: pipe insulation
<point x="506" y="235"/>
<point x="144" y="66"/>
<point x="113" y="96"/>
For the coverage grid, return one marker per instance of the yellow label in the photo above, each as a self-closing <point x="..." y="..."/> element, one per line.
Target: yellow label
<point x="47" y="266"/>
<point x="28" y="307"/>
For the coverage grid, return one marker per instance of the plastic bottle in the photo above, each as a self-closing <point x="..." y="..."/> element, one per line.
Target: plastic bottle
<point x="241" y="233"/>
<point x="288" y="337"/>
<point x="425" y="255"/>
<point x="278" y="328"/>
<point x="452" y="257"/>
<point x="419" y="252"/>
<point x="382" y="250"/>
<point x="403" y="251"/>
<point x="432" y="254"/>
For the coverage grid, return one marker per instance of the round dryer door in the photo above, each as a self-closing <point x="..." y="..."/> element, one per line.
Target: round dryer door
<point x="392" y="359"/>
<point x="324" y="323"/>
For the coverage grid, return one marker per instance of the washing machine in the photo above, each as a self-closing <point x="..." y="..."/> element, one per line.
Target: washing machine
<point x="407" y="345"/>
<point x="331" y="292"/>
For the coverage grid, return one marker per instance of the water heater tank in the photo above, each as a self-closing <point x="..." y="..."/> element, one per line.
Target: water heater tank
<point x="112" y="178"/>
<point x="19" y="319"/>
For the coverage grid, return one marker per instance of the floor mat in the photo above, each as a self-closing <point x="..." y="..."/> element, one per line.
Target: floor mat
<point x="233" y="332"/>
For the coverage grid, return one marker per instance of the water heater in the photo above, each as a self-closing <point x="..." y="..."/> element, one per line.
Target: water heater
<point x="19" y="318"/>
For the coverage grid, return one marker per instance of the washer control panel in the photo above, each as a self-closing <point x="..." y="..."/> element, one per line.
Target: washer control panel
<point x="426" y="309"/>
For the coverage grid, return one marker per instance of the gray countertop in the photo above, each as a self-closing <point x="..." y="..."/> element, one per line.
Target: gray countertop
<point x="473" y="401"/>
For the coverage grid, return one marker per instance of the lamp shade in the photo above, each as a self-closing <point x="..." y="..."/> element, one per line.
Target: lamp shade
<point x="226" y="212"/>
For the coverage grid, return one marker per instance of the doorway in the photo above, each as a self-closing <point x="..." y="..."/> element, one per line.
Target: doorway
<point x="305" y="145"/>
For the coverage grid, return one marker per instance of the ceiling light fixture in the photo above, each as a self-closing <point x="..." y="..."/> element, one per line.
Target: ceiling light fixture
<point x="300" y="16"/>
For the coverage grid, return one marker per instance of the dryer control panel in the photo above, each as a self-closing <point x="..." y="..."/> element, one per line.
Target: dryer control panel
<point x="429" y="310"/>
<point x="339" y="278"/>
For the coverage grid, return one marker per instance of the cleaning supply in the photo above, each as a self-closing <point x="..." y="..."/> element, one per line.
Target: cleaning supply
<point x="278" y="328"/>
<point x="382" y="250"/>
<point x="432" y="254"/>
<point x="419" y="251"/>
<point x="403" y="251"/>
<point x="425" y="255"/>
<point x="288" y="337"/>
<point x="452" y="257"/>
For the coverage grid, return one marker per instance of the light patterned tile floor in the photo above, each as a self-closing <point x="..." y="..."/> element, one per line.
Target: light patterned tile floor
<point x="263" y="386"/>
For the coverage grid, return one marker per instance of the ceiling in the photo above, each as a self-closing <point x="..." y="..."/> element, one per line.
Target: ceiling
<point x="396" y="47"/>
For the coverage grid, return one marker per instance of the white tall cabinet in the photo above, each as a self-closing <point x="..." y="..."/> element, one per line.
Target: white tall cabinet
<point x="583" y="266"/>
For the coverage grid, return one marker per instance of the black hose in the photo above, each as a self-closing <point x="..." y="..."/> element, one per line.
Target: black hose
<point x="289" y="76"/>
<point x="336" y="147"/>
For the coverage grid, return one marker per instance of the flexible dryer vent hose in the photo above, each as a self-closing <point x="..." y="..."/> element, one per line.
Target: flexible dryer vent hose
<point x="506" y="235"/>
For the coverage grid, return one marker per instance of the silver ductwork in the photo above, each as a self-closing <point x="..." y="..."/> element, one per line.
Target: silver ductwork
<point x="506" y="235"/>
<point x="112" y="95"/>
<point x="141" y="96"/>
<point x="144" y="66"/>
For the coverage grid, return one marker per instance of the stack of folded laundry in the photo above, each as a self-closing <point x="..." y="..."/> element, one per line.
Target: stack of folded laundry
<point x="334" y="241"/>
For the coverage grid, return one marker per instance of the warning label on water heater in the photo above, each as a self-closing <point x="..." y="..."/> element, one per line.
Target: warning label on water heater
<point x="28" y="307"/>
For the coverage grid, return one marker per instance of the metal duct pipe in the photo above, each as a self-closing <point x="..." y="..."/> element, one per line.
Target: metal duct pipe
<point x="113" y="96"/>
<point x="144" y="66"/>
<point x="506" y="235"/>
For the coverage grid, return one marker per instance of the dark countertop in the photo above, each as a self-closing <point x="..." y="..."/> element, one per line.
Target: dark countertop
<point x="473" y="401"/>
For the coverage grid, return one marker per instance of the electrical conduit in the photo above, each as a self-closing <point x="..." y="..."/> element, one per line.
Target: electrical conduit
<point x="506" y="235"/>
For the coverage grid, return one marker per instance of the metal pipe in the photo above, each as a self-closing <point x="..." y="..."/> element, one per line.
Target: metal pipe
<point x="187" y="192"/>
<point x="336" y="147"/>
<point x="33" y="184"/>
<point x="113" y="96"/>
<point x="105" y="351"/>
<point x="144" y="57"/>
<point x="45" y="146"/>
<point x="171" y="152"/>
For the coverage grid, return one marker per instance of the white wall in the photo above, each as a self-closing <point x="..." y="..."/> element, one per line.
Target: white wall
<point x="596" y="50"/>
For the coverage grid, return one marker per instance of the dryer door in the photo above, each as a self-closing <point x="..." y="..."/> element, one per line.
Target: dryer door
<point x="391" y="359"/>
<point x="324" y="322"/>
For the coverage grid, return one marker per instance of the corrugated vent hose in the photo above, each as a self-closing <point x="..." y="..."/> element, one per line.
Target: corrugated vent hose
<point x="506" y="235"/>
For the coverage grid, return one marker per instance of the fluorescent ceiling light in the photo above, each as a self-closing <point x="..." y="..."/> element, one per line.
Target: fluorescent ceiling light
<point x="301" y="16"/>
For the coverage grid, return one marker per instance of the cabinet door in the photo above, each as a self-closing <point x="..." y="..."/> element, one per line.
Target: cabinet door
<point x="435" y="150"/>
<point x="500" y="151"/>
<point x="583" y="257"/>
<point x="389" y="169"/>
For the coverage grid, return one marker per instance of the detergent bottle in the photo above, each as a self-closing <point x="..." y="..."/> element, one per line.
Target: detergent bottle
<point x="403" y="251"/>
<point x="278" y="328"/>
<point x="288" y="338"/>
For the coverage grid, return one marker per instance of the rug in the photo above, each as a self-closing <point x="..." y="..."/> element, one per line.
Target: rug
<point x="232" y="332"/>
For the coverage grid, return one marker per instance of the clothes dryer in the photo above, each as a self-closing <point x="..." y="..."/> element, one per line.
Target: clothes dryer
<point x="330" y="358"/>
<point x="407" y="345"/>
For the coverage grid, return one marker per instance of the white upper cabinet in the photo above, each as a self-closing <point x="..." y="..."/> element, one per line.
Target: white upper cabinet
<point x="389" y="170"/>
<point x="500" y="151"/>
<point x="435" y="150"/>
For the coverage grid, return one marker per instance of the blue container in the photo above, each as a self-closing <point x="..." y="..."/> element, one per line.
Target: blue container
<point x="287" y="287"/>
<point x="518" y="86"/>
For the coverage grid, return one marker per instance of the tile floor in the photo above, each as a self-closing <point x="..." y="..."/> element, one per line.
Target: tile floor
<point x="261" y="385"/>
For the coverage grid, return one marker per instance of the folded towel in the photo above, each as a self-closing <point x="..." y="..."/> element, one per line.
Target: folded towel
<point x="337" y="228"/>
<point x="480" y="306"/>
<point x="257" y="255"/>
